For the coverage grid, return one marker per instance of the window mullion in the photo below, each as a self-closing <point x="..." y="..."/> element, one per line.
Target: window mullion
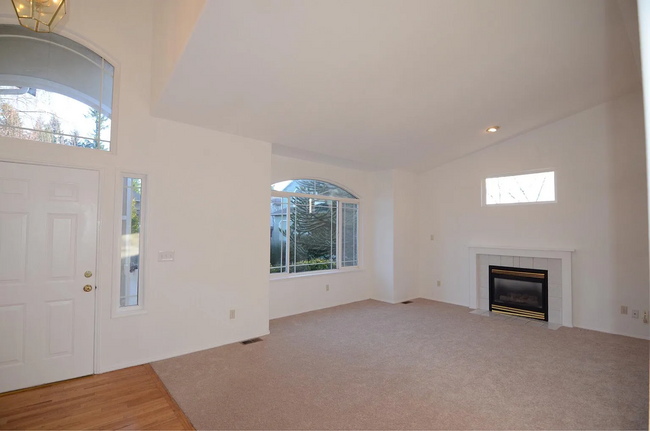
<point x="338" y="235"/>
<point x="295" y="246"/>
<point x="99" y="117"/>
<point x="287" y="235"/>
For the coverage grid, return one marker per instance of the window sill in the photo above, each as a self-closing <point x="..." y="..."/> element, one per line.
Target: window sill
<point x="515" y="204"/>
<point x="315" y="273"/>
<point x="128" y="313"/>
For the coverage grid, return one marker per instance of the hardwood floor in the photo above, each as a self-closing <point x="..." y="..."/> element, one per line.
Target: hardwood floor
<point x="132" y="398"/>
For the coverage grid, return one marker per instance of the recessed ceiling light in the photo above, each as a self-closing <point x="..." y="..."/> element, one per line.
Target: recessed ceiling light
<point x="492" y="129"/>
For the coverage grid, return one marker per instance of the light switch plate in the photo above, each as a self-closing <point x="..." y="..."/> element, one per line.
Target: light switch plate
<point x="166" y="256"/>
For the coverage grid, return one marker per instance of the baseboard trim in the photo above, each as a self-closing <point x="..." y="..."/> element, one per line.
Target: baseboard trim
<point x="622" y="334"/>
<point x="173" y="354"/>
<point x="319" y="308"/>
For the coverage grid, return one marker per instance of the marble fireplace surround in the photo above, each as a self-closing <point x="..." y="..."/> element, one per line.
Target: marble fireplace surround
<point x="564" y="316"/>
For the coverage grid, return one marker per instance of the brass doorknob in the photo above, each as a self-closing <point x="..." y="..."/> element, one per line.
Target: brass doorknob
<point x="88" y="288"/>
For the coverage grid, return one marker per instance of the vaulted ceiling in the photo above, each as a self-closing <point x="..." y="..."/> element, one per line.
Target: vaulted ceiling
<point x="398" y="84"/>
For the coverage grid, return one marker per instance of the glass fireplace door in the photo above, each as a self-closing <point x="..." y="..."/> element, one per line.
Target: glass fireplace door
<point x="519" y="292"/>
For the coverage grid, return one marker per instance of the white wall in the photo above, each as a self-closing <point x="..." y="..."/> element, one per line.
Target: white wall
<point x="208" y="199"/>
<point x="384" y="244"/>
<point x="306" y="293"/>
<point x="601" y="211"/>
<point x="406" y="239"/>
<point x="395" y="236"/>
<point x="174" y="23"/>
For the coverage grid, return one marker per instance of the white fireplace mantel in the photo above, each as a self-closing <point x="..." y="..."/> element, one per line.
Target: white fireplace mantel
<point x="564" y="254"/>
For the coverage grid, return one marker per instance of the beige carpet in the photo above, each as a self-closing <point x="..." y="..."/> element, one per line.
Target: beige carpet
<point x="425" y="365"/>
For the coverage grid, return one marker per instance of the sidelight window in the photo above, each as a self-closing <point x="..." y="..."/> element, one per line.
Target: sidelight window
<point x="131" y="241"/>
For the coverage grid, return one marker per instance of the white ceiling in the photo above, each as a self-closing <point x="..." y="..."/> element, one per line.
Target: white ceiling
<point x="407" y="84"/>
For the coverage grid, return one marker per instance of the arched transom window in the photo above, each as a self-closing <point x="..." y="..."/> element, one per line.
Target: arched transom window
<point x="314" y="227"/>
<point x="54" y="90"/>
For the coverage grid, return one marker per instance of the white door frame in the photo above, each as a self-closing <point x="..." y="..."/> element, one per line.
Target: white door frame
<point x="98" y="273"/>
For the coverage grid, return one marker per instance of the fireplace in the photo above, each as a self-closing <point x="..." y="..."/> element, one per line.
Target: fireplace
<point x="519" y="292"/>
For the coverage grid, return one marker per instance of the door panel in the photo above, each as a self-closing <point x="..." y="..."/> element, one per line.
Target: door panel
<point x="13" y="247"/>
<point x="48" y="235"/>
<point x="12" y="333"/>
<point x="62" y="245"/>
<point x="61" y="329"/>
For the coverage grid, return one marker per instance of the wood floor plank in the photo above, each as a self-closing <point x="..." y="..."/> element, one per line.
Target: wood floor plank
<point x="131" y="398"/>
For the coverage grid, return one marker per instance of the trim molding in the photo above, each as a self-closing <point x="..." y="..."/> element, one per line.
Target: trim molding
<point x="172" y="355"/>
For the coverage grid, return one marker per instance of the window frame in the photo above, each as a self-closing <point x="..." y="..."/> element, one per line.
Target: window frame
<point x="117" y="72"/>
<point x="133" y="310"/>
<point x="339" y="232"/>
<point x="515" y="174"/>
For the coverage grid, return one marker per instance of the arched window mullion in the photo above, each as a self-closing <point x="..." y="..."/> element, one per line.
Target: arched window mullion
<point x="320" y="197"/>
<point x="312" y="187"/>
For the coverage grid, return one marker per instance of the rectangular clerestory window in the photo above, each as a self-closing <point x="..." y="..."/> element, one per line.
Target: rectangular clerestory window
<point x="518" y="189"/>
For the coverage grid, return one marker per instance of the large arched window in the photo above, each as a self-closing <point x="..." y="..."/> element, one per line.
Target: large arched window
<point x="53" y="89"/>
<point x="314" y="227"/>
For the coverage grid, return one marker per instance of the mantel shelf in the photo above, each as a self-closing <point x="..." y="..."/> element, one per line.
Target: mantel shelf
<point x="502" y="247"/>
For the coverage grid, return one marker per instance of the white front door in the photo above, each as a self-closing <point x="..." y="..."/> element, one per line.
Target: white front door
<point x="48" y="241"/>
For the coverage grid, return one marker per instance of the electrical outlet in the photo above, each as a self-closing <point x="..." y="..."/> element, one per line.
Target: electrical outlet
<point x="232" y="314"/>
<point x="645" y="317"/>
<point x="327" y="288"/>
<point x="439" y="283"/>
<point x="635" y="314"/>
<point x="623" y="309"/>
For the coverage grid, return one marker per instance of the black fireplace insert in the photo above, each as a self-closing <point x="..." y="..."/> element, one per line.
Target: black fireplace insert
<point x="519" y="292"/>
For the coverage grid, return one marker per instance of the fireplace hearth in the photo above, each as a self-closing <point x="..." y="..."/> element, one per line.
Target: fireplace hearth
<point x="519" y="292"/>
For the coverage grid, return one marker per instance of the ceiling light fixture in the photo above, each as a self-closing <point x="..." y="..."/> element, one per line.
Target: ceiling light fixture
<point x="492" y="129"/>
<point x="40" y="16"/>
